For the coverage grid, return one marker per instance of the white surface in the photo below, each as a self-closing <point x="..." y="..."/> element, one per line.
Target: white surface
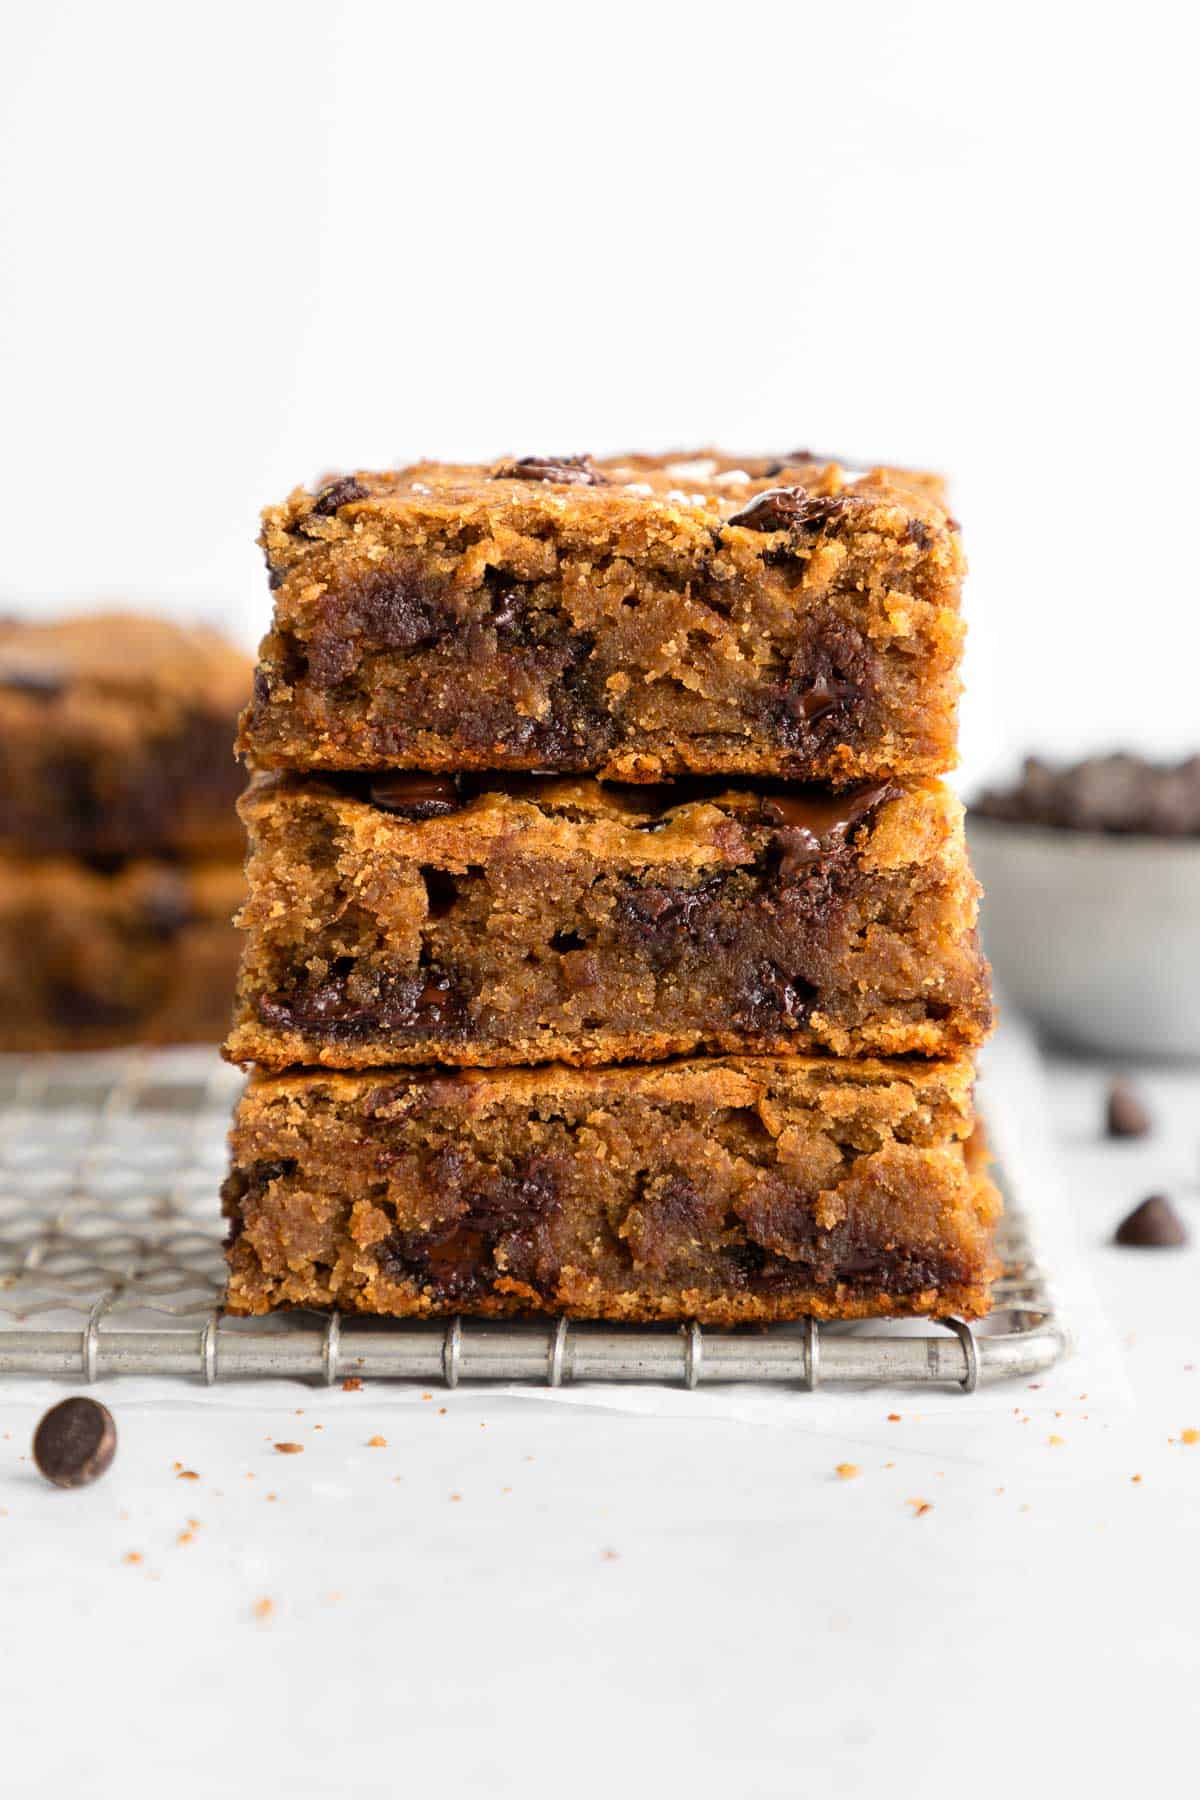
<point x="646" y="1593"/>
<point x="242" y="244"/>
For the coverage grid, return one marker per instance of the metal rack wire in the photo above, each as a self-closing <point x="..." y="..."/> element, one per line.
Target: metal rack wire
<point x="110" y="1264"/>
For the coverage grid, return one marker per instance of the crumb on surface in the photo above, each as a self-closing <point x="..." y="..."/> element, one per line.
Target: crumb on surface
<point x="846" y="1471"/>
<point x="133" y="1556"/>
<point x="287" y="1449"/>
<point x="893" y="1418"/>
<point x="1055" y="1441"/>
<point x="377" y="1442"/>
<point x="920" y="1507"/>
<point x="352" y="1385"/>
<point x="1189" y="1435"/>
<point x="187" y="1475"/>
<point x="610" y="1555"/>
<point x="263" y="1609"/>
<point x="456" y="1496"/>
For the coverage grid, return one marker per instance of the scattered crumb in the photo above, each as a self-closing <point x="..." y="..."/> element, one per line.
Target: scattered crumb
<point x="1055" y="1441"/>
<point x="847" y="1471"/>
<point x="332" y="1599"/>
<point x="456" y="1496"/>
<point x="377" y="1442"/>
<point x="998" y="1490"/>
<point x="920" y="1507"/>
<point x="263" y="1609"/>
<point x="272" y="1496"/>
<point x="441" y="1409"/>
<point x="506" y="1490"/>
<point x="177" y="1466"/>
<point x="289" y="1449"/>
<point x="187" y="1475"/>
<point x="610" y="1555"/>
<point x="1135" y="1478"/>
<point x="1025" y="1508"/>
<point x="893" y="1418"/>
<point x="1189" y="1435"/>
<point x="890" y="1465"/>
<point x="186" y="1537"/>
<point x="352" y="1385"/>
<point x="132" y="1556"/>
<point x="318" y="1428"/>
<point x="427" y="1396"/>
<point x="250" y="1475"/>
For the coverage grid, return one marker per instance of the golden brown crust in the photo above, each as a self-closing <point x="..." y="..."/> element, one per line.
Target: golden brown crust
<point x="546" y="919"/>
<point x="726" y="1190"/>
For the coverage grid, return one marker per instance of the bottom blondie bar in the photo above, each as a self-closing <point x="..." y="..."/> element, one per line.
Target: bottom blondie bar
<point x="728" y="1190"/>
<point x="93" y="955"/>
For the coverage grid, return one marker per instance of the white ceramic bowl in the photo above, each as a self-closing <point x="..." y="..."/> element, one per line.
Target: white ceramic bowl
<point x="1096" y="937"/>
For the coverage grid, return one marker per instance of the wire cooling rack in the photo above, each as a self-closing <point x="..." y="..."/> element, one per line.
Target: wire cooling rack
<point x="111" y="1264"/>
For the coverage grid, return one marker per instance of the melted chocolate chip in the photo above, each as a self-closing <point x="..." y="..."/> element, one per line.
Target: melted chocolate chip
<point x="814" y="823"/>
<point x="1154" y="1225"/>
<point x="1126" y="1114"/>
<point x="788" y="509"/>
<point x="426" y="1002"/>
<point x="338" y="493"/>
<point x="568" y="471"/>
<point x="824" y="697"/>
<point x="75" y="1442"/>
<point x="415" y="796"/>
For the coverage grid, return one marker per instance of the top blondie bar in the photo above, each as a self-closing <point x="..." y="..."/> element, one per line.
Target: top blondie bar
<point x="632" y="618"/>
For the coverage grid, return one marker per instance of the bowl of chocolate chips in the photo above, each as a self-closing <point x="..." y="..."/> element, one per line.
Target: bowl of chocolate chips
<point x="1091" y="916"/>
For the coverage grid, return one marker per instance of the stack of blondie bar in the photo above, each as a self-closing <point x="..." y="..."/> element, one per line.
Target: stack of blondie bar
<point x="120" y="849"/>
<point x="611" y="939"/>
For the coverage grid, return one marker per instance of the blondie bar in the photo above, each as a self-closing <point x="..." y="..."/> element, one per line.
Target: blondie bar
<point x="727" y="1191"/>
<point x="145" y="952"/>
<point x="414" y="919"/>
<point x="633" y="618"/>
<point x="116" y="735"/>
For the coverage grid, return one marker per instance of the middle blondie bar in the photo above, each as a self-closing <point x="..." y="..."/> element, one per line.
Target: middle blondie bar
<point x="409" y="919"/>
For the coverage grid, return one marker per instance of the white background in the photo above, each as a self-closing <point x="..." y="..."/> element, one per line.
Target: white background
<point x="241" y="244"/>
<point x="245" y="243"/>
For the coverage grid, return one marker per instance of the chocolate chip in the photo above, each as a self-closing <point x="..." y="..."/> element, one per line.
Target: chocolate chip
<point x="75" y="1442"/>
<point x="1126" y="1114"/>
<point x="788" y="509"/>
<point x="415" y="796"/>
<point x="338" y="493"/>
<point x="1154" y="1225"/>
<point x="1119" y="794"/>
<point x="572" y="471"/>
